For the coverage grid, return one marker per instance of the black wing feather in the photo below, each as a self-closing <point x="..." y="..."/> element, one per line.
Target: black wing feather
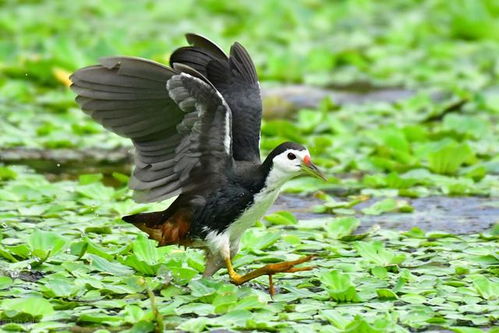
<point x="205" y="43"/>
<point x="236" y="79"/>
<point x="240" y="59"/>
<point x="177" y="122"/>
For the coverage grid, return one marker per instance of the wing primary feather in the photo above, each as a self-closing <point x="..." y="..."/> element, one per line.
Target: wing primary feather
<point x="245" y="66"/>
<point x="138" y="67"/>
<point x="191" y="71"/>
<point x="104" y="76"/>
<point x="205" y="43"/>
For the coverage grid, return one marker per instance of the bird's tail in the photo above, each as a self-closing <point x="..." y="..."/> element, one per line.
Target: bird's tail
<point x="151" y="219"/>
<point x="166" y="230"/>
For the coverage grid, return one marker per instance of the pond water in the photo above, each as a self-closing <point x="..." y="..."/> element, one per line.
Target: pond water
<point x="458" y="215"/>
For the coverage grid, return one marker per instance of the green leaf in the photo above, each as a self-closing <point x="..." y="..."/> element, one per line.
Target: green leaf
<point x="35" y="306"/>
<point x="394" y="180"/>
<point x="236" y="318"/>
<point x="380" y="272"/>
<point x="386" y="294"/>
<point x="473" y="126"/>
<point x="98" y="318"/>
<point x="122" y="178"/>
<point x="202" y="288"/>
<point x="393" y="138"/>
<point x="415" y="232"/>
<point x="104" y="230"/>
<point x="282" y="128"/>
<point x="106" y="266"/>
<point x="140" y="265"/>
<point x="146" y="250"/>
<point x="5" y="282"/>
<point x="359" y="325"/>
<point x="7" y="173"/>
<point x="463" y="329"/>
<point x="459" y="270"/>
<point x="341" y="227"/>
<point x="90" y="178"/>
<point x="339" y="286"/>
<point x="44" y="243"/>
<point x="413" y="298"/>
<point x="376" y="252"/>
<point x="96" y="191"/>
<point x="133" y="313"/>
<point x="87" y="246"/>
<point x="335" y="318"/>
<point x="489" y="290"/>
<point x="59" y="287"/>
<point x="255" y="240"/>
<point x="194" y="324"/>
<point x="282" y="218"/>
<point x="21" y="250"/>
<point x="449" y="158"/>
<point x="146" y="256"/>
<point x="380" y="207"/>
<point x="225" y="299"/>
<point x="388" y="205"/>
<point x="6" y="254"/>
<point x="183" y="274"/>
<point x="309" y="119"/>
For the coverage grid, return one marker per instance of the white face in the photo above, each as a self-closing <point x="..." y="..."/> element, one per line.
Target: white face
<point x="289" y="162"/>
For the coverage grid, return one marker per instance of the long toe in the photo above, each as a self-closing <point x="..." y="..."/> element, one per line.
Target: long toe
<point x="270" y="269"/>
<point x="299" y="269"/>
<point x="288" y="266"/>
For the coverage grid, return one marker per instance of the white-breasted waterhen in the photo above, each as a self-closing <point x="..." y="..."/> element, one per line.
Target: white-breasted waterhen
<point x="196" y="131"/>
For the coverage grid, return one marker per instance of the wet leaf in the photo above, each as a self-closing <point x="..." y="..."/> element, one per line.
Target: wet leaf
<point x="90" y="178"/>
<point x="339" y="286"/>
<point x="380" y="207"/>
<point x="7" y="173"/>
<point x="43" y="243"/>
<point x="341" y="227"/>
<point x="386" y="294"/>
<point x="449" y="158"/>
<point x="5" y="282"/>
<point x="487" y="289"/>
<point x="377" y="253"/>
<point x="282" y="218"/>
<point x="103" y="265"/>
<point x="35" y="306"/>
<point x="360" y="325"/>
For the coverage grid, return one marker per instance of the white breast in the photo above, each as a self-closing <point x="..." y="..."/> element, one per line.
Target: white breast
<point x="261" y="203"/>
<point x="227" y="242"/>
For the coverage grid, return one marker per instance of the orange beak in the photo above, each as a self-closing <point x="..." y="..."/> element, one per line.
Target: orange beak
<point x="310" y="168"/>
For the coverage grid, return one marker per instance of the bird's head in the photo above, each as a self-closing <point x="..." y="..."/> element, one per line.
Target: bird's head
<point x="291" y="159"/>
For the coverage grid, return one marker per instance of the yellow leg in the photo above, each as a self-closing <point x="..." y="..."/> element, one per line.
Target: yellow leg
<point x="270" y="269"/>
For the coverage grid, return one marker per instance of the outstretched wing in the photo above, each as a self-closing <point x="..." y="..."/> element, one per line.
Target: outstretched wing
<point x="205" y="152"/>
<point x="236" y="79"/>
<point x="178" y="123"/>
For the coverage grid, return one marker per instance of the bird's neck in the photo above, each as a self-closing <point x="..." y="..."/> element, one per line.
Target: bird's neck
<point x="275" y="177"/>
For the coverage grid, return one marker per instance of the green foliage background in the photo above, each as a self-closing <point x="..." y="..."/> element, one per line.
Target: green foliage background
<point x="67" y="260"/>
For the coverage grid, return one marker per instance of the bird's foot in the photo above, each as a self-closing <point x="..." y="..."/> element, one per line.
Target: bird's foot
<point x="271" y="269"/>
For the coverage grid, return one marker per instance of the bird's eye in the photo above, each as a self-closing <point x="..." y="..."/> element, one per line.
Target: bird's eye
<point x="291" y="156"/>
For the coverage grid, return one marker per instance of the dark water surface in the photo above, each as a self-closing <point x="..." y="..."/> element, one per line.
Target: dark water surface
<point x="458" y="215"/>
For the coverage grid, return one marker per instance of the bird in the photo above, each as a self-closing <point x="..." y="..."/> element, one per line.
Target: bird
<point x="195" y="126"/>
